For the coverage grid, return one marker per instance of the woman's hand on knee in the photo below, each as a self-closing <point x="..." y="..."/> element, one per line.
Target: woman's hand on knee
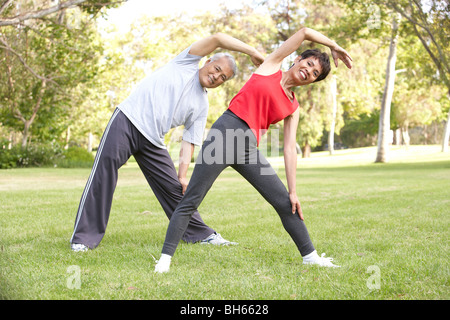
<point x="296" y="207"/>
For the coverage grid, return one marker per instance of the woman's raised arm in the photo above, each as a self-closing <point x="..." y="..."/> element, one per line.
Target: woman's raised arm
<point x="273" y="62"/>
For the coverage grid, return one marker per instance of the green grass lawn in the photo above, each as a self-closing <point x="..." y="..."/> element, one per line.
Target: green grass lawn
<point x="387" y="225"/>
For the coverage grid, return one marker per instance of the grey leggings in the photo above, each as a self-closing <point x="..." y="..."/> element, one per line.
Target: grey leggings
<point x="230" y="142"/>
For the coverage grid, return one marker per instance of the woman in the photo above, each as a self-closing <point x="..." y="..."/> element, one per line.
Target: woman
<point x="265" y="99"/>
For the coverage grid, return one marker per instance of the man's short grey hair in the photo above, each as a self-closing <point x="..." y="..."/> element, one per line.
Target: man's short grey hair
<point x="231" y="61"/>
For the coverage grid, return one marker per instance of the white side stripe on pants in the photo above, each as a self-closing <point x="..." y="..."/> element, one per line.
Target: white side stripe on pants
<point x="94" y="168"/>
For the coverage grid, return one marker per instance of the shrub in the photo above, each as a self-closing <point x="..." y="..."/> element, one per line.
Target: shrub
<point x="36" y="155"/>
<point x="76" y="157"/>
<point x="7" y="159"/>
<point x="45" y="155"/>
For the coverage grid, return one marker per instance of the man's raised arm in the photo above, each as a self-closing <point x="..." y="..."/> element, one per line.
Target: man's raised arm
<point x="220" y="40"/>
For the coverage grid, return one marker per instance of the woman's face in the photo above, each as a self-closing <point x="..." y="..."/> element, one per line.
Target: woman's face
<point x="305" y="71"/>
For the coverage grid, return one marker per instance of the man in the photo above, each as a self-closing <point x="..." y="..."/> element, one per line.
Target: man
<point x="173" y="95"/>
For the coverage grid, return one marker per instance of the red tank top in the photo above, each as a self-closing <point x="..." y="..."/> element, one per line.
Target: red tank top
<point x="262" y="102"/>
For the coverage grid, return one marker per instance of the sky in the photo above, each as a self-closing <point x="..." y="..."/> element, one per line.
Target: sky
<point x="123" y="16"/>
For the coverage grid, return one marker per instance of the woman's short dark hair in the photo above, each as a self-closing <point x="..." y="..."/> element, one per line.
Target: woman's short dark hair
<point x="324" y="61"/>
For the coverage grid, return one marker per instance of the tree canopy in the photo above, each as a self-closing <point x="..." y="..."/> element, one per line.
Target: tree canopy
<point x="62" y="75"/>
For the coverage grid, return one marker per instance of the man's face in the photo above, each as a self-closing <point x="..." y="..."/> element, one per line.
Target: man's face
<point x="214" y="73"/>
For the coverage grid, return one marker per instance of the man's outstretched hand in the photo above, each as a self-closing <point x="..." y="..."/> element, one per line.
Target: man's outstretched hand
<point x="257" y="58"/>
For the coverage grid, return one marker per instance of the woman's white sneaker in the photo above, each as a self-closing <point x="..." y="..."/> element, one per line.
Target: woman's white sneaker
<point x="163" y="264"/>
<point x="313" y="258"/>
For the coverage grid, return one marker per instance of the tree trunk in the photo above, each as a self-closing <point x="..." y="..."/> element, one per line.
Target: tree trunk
<point x="306" y="150"/>
<point x="446" y="134"/>
<point x="385" y="112"/>
<point x="333" y="88"/>
<point x="10" y="141"/>
<point x="90" y="142"/>
<point x="398" y="137"/>
<point x="405" y="135"/>
<point x="25" y="133"/>
<point x="67" y="138"/>
<point x="27" y="123"/>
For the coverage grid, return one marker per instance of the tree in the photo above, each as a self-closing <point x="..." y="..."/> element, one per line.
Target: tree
<point x="333" y="89"/>
<point x="45" y="64"/>
<point x="21" y="11"/>
<point x="420" y="98"/>
<point x="45" y="56"/>
<point x="385" y="112"/>
<point x="413" y="106"/>
<point x="431" y="22"/>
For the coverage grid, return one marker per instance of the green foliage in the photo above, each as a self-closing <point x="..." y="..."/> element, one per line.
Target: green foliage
<point x="76" y="157"/>
<point x="360" y="132"/>
<point x="8" y="159"/>
<point x="45" y="155"/>
<point x="50" y="61"/>
<point x="89" y="73"/>
<point x="34" y="155"/>
<point x="94" y="7"/>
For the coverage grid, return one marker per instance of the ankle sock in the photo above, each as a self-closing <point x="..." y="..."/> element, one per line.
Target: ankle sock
<point x="311" y="257"/>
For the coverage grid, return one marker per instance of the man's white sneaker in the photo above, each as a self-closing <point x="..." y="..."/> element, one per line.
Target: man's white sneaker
<point x="313" y="258"/>
<point x="216" y="239"/>
<point x="77" y="247"/>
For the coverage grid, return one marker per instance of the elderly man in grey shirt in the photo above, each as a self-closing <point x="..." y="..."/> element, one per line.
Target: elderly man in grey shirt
<point x="174" y="95"/>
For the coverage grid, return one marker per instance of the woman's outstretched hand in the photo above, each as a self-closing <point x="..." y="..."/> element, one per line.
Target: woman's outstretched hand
<point x="339" y="53"/>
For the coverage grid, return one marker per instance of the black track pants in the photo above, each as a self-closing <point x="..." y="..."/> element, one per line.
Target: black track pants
<point x="120" y="140"/>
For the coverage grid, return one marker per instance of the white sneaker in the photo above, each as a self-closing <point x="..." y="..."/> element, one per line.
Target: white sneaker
<point x="313" y="258"/>
<point x="163" y="264"/>
<point x="216" y="239"/>
<point x="79" y="247"/>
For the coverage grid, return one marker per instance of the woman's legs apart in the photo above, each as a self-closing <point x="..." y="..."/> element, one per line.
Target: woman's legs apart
<point x="262" y="176"/>
<point x="201" y="181"/>
<point x="230" y="142"/>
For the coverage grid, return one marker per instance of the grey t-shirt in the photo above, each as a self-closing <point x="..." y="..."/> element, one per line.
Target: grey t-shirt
<point x="171" y="96"/>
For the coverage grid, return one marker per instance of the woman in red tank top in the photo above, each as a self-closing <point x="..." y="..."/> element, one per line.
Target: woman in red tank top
<point x="266" y="98"/>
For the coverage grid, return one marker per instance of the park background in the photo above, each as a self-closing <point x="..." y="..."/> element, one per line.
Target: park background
<point x="374" y="166"/>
